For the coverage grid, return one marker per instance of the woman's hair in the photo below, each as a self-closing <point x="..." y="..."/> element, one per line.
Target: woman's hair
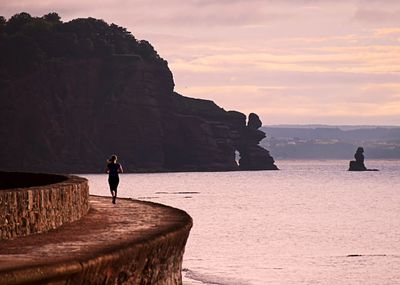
<point x="112" y="159"/>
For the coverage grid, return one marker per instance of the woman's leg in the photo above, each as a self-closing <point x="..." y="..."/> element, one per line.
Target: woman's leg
<point x="113" y="181"/>
<point x="114" y="196"/>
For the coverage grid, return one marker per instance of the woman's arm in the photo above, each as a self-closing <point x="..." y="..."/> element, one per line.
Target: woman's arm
<point x="120" y="170"/>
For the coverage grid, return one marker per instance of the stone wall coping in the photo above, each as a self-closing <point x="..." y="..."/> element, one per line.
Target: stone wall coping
<point x="71" y="179"/>
<point x="32" y="203"/>
<point x="106" y="234"/>
<point x="60" y="179"/>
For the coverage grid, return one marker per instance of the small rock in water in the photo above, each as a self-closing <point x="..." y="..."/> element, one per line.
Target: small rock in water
<point x="358" y="164"/>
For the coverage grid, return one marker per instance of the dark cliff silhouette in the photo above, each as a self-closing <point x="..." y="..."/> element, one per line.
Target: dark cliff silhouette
<point x="72" y="93"/>
<point x="358" y="163"/>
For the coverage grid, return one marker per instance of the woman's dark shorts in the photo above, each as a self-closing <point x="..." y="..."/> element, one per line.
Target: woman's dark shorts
<point x="113" y="181"/>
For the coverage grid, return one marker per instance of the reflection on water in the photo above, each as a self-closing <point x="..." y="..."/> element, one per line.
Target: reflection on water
<point x="312" y="222"/>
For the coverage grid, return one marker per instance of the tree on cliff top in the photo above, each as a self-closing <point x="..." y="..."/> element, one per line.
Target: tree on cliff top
<point x="48" y="38"/>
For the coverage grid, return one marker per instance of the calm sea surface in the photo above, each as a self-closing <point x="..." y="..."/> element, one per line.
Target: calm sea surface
<point x="312" y="222"/>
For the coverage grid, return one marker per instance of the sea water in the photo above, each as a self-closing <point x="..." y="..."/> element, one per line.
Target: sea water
<point x="312" y="222"/>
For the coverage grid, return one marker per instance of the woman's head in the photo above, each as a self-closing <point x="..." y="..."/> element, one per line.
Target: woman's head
<point x="360" y="149"/>
<point x="113" y="158"/>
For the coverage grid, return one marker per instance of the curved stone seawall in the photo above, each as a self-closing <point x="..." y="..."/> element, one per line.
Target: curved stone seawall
<point x="52" y="201"/>
<point x="132" y="242"/>
<point x="154" y="258"/>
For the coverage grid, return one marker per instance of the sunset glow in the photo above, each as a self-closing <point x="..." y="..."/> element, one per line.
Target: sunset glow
<point x="291" y="61"/>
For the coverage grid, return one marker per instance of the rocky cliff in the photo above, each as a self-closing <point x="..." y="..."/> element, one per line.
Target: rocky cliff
<point x="74" y="93"/>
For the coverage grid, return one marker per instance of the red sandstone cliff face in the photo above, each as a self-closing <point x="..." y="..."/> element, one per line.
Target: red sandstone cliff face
<point x="68" y="114"/>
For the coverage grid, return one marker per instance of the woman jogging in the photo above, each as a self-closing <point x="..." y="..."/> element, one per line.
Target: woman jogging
<point x="113" y="168"/>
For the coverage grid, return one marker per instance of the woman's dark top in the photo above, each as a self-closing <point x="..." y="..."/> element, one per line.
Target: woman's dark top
<point x="113" y="169"/>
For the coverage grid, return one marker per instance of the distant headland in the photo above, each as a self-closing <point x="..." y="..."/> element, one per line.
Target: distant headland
<point x="331" y="142"/>
<point x="74" y="92"/>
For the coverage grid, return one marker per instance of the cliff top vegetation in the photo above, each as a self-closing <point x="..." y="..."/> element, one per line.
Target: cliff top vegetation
<point x="27" y="41"/>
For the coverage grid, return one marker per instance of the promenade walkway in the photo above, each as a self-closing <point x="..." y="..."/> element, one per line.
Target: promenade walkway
<point x="90" y="247"/>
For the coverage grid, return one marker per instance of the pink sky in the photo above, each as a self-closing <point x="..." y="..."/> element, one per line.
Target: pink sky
<point x="290" y="61"/>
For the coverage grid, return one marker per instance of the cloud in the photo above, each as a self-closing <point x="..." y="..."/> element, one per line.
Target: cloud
<point x="172" y="13"/>
<point x="293" y="104"/>
<point x="385" y="32"/>
<point x="353" y="59"/>
<point x="377" y="15"/>
<point x="349" y="78"/>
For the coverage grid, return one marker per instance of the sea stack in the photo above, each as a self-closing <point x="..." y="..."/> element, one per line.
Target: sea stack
<point x="358" y="164"/>
<point x="253" y="156"/>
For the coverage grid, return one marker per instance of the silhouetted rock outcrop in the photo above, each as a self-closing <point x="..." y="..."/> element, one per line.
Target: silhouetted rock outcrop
<point x="358" y="164"/>
<point x="73" y="93"/>
<point x="253" y="156"/>
<point x="254" y="122"/>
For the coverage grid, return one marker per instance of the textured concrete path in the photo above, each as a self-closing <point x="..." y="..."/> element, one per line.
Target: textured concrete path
<point x="105" y="229"/>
